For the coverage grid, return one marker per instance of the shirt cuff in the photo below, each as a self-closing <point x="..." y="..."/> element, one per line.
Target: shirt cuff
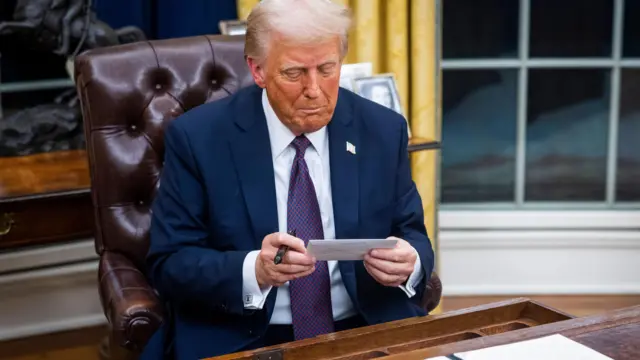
<point x="252" y="296"/>
<point x="414" y="278"/>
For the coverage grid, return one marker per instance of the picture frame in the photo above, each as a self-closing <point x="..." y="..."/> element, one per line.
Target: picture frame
<point x="233" y="27"/>
<point x="382" y="89"/>
<point x="348" y="72"/>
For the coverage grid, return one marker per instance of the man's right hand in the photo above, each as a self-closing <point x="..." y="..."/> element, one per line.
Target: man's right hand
<point x="296" y="263"/>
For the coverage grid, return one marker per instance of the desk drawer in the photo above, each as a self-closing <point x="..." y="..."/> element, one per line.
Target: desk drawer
<point x="45" y="219"/>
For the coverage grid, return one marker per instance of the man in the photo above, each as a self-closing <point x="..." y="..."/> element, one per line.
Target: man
<point x="292" y="153"/>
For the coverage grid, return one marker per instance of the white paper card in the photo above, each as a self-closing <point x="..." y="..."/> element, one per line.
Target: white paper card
<point x="346" y="249"/>
<point x="554" y="347"/>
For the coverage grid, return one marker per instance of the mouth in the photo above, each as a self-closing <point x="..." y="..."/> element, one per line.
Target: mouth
<point x="311" y="110"/>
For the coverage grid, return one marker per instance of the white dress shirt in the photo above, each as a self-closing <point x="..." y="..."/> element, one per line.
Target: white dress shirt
<point x="317" y="159"/>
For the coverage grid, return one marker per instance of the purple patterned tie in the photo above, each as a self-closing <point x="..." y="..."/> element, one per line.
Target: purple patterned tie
<point x="311" y="310"/>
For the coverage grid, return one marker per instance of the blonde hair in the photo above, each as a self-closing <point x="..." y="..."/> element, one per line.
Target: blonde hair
<point x="302" y="21"/>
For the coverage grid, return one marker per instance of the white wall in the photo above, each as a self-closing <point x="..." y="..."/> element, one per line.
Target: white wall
<point x="539" y="252"/>
<point x="49" y="289"/>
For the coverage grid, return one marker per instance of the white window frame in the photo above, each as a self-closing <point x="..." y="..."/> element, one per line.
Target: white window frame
<point x="544" y="215"/>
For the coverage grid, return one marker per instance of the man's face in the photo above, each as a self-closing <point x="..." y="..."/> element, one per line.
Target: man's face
<point x="302" y="82"/>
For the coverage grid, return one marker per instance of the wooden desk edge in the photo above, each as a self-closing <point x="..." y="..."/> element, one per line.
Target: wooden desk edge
<point x="568" y="328"/>
<point x="374" y="328"/>
<point x="44" y="175"/>
<point x="46" y="195"/>
<point x="419" y="144"/>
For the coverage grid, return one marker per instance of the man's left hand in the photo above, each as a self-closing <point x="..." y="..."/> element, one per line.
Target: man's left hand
<point x="391" y="267"/>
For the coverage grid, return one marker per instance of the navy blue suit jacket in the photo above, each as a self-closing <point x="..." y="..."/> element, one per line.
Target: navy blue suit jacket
<point x="217" y="201"/>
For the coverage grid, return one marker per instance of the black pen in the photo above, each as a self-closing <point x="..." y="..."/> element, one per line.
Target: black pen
<point x="282" y="250"/>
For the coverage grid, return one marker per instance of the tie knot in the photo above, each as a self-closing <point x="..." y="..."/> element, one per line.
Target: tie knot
<point x="300" y="143"/>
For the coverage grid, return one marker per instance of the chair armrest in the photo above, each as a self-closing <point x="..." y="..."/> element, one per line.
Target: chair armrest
<point x="130" y="304"/>
<point x="433" y="293"/>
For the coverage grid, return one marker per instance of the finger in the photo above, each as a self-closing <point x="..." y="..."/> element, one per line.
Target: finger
<point x="388" y="267"/>
<point x="292" y="242"/>
<point x="282" y="278"/>
<point x="398" y="255"/>
<point x="267" y="255"/>
<point x="302" y="274"/>
<point x="292" y="268"/>
<point x="382" y="278"/>
<point x="298" y="258"/>
<point x="279" y="278"/>
<point x="386" y="280"/>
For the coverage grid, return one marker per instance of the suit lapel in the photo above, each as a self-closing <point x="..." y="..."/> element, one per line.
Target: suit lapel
<point x="343" y="146"/>
<point x="251" y="151"/>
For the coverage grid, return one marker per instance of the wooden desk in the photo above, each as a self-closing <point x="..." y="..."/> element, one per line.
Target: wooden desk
<point x="44" y="198"/>
<point x="614" y="334"/>
<point x="402" y="336"/>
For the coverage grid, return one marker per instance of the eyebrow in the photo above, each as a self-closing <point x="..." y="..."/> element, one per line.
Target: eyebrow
<point x="301" y="67"/>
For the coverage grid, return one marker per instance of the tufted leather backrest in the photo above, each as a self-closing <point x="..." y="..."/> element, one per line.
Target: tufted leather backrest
<point x="129" y="93"/>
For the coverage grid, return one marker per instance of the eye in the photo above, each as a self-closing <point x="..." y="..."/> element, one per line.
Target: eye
<point x="327" y="69"/>
<point x="293" y="73"/>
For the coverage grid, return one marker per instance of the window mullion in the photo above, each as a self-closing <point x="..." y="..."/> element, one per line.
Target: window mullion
<point x="521" y="136"/>
<point x="614" y="106"/>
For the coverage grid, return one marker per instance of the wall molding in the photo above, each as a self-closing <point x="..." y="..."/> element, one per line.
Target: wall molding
<point x="47" y="256"/>
<point x="539" y="219"/>
<point x="46" y="300"/>
<point x="533" y="253"/>
<point x="524" y="290"/>
<point x="34" y="329"/>
<point x="539" y="239"/>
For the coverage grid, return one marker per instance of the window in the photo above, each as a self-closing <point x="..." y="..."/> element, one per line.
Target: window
<point x="540" y="104"/>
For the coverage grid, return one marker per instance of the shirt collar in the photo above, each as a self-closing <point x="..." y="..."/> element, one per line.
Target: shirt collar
<point x="280" y="136"/>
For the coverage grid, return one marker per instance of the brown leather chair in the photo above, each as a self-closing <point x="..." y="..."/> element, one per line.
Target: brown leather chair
<point x="128" y="94"/>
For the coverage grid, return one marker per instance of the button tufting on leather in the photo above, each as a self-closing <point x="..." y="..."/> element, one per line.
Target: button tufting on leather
<point x="155" y="83"/>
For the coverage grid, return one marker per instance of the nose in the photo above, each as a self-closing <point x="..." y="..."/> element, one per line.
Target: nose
<point x="311" y="88"/>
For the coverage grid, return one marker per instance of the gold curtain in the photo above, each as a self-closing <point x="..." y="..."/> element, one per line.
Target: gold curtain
<point x="400" y="37"/>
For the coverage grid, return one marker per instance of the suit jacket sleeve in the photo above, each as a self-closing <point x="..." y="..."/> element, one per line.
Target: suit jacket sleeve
<point x="408" y="220"/>
<point x="183" y="265"/>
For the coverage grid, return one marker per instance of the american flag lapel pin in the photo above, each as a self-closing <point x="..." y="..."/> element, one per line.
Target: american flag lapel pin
<point x="351" y="148"/>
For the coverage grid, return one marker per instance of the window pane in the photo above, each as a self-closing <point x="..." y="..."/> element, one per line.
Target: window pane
<point x="567" y="133"/>
<point x="628" y="174"/>
<point x="473" y="28"/>
<point x="479" y="137"/>
<point x="19" y="63"/>
<point x="571" y="28"/>
<point x="631" y="45"/>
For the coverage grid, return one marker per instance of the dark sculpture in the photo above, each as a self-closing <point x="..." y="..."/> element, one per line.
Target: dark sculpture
<point x="66" y="28"/>
<point x="43" y="128"/>
<point x="62" y="25"/>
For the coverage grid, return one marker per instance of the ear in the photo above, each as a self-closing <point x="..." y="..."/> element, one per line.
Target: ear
<point x="257" y="71"/>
